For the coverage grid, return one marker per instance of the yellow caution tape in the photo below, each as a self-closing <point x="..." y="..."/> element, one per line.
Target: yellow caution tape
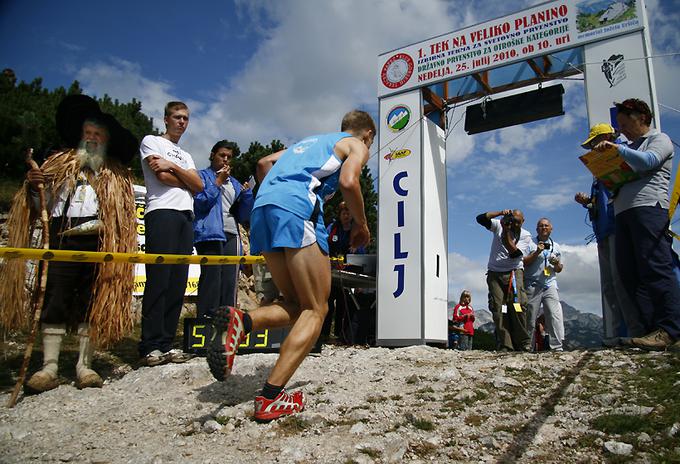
<point x="675" y="196"/>
<point x="136" y="258"/>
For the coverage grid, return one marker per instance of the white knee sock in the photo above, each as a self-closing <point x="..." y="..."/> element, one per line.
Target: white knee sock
<point x="85" y="348"/>
<point x="52" y="336"/>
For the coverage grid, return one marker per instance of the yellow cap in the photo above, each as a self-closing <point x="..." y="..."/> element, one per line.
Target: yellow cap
<point x="598" y="129"/>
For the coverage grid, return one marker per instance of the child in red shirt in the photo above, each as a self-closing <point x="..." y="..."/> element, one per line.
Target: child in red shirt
<point x="465" y="316"/>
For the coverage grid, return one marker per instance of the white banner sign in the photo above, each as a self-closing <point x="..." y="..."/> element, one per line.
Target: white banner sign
<point x="545" y="28"/>
<point x="399" y="229"/>
<point x="140" y="269"/>
<point x="612" y="77"/>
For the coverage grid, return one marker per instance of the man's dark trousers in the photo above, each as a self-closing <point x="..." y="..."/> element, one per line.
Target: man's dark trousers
<point x="168" y="231"/>
<point x="511" y="326"/>
<point x="218" y="283"/>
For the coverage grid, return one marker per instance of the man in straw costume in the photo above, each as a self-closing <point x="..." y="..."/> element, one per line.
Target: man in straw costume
<point x="90" y="202"/>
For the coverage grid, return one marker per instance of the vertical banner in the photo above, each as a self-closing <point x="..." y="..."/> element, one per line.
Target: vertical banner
<point x="434" y="219"/>
<point x="140" y="269"/>
<point x="610" y="78"/>
<point x="399" y="290"/>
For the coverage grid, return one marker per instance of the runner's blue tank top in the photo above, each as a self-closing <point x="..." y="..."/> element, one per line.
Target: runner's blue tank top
<point x="307" y="172"/>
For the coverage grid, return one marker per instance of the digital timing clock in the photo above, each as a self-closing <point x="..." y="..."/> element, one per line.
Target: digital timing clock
<point x="198" y="331"/>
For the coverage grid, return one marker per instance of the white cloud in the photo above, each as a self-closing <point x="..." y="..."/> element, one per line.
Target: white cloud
<point x="560" y="195"/>
<point x="315" y="61"/>
<point x="123" y="80"/>
<point x="579" y="282"/>
<point x="459" y="145"/>
<point x="665" y="36"/>
<point x="467" y="274"/>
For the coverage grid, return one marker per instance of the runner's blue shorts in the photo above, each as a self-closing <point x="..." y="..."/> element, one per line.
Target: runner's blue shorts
<point x="273" y="229"/>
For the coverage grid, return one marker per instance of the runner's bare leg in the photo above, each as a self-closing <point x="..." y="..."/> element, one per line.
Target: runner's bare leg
<point x="307" y="272"/>
<point x="280" y="313"/>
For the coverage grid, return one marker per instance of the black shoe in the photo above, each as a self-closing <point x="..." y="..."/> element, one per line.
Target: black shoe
<point x="215" y="355"/>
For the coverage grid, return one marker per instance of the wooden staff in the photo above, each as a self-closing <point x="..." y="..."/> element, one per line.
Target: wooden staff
<point x="37" y="309"/>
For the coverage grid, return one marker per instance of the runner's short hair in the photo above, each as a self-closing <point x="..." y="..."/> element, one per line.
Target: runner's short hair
<point x="357" y="120"/>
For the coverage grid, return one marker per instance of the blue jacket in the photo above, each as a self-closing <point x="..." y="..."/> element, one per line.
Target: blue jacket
<point x="602" y="212"/>
<point x="208" y="222"/>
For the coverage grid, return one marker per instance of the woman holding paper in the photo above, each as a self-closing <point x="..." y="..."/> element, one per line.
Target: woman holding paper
<point x="643" y="247"/>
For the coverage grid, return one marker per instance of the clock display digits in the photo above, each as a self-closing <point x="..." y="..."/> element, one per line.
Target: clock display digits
<point x="196" y="333"/>
<point x="262" y="336"/>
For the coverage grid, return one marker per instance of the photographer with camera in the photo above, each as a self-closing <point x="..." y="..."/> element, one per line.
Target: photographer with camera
<point x="505" y="278"/>
<point x="542" y="263"/>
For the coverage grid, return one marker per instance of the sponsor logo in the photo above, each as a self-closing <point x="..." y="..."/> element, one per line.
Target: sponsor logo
<point x="398" y="118"/>
<point x="393" y="155"/>
<point x="302" y="146"/>
<point x="397" y="71"/>
<point x="614" y="70"/>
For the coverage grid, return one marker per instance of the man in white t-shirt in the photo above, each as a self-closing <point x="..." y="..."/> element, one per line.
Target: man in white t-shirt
<point x="505" y="278"/>
<point x="171" y="180"/>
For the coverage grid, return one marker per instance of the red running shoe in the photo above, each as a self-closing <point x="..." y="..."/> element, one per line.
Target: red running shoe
<point x="283" y="405"/>
<point x="222" y="351"/>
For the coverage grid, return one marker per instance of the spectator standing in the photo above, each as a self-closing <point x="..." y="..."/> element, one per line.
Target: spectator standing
<point x="464" y="315"/>
<point x="505" y="278"/>
<point x="340" y="307"/>
<point x="90" y="203"/>
<point x="643" y="246"/>
<point x="621" y="317"/>
<point x="171" y="181"/>
<point x="542" y="263"/>
<point x="221" y="208"/>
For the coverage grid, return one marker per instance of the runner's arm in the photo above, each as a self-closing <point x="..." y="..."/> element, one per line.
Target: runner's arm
<point x="265" y="164"/>
<point x="350" y="186"/>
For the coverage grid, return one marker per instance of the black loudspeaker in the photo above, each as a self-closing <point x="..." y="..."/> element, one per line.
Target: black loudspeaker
<point x="525" y="107"/>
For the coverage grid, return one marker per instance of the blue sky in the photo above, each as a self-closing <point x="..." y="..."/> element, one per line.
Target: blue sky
<point x="261" y="70"/>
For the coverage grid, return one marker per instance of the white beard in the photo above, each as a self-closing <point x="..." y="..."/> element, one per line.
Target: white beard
<point x="91" y="155"/>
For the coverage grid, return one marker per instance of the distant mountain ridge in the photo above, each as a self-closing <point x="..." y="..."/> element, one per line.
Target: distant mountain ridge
<point x="582" y="330"/>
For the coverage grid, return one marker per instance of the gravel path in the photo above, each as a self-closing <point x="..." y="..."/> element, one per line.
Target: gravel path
<point x="416" y="404"/>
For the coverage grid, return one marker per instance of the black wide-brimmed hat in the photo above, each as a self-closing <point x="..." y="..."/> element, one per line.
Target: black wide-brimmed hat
<point x="74" y="110"/>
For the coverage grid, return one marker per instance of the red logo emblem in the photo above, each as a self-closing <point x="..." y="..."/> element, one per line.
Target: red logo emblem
<point x="397" y="71"/>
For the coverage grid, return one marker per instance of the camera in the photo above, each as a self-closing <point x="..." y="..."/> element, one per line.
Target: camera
<point x="546" y="245"/>
<point x="508" y="220"/>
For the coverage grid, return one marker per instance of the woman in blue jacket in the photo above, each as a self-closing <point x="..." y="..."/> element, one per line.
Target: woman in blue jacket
<point x="222" y="206"/>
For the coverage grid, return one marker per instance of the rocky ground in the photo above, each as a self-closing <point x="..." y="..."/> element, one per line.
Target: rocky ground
<point x="416" y="404"/>
<point x="375" y="405"/>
